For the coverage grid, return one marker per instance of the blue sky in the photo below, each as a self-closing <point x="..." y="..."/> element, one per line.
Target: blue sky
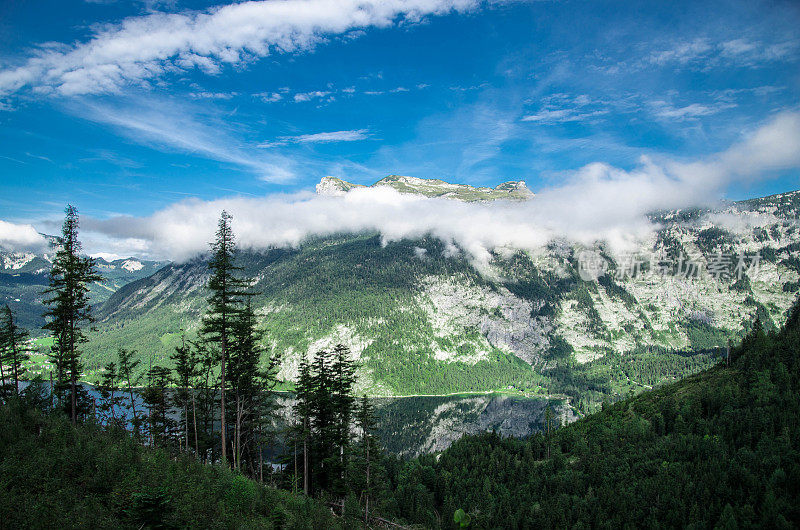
<point x="100" y="107"/>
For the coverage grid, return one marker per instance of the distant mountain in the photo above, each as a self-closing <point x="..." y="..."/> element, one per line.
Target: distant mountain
<point x="24" y="275"/>
<point x="423" y="320"/>
<point x="516" y="191"/>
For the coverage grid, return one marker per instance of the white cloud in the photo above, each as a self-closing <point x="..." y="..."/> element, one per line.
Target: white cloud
<point x="598" y="202"/>
<point x="322" y="137"/>
<point x="212" y="95"/>
<point x="144" y="48"/>
<point x="308" y="96"/>
<point x="21" y="237"/>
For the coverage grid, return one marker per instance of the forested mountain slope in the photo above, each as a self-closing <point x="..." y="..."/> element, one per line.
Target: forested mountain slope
<point x="424" y="320"/>
<point x="718" y="449"/>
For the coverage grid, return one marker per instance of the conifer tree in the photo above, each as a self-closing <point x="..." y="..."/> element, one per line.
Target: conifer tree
<point x="343" y="370"/>
<point x="304" y="390"/>
<point x="186" y="370"/>
<point x="156" y="396"/>
<point x="223" y="306"/>
<point x="69" y="310"/>
<point x="108" y="388"/>
<point x="252" y="387"/>
<point x="324" y="424"/>
<point x="13" y="346"/>
<point x="130" y="378"/>
<point x="368" y="453"/>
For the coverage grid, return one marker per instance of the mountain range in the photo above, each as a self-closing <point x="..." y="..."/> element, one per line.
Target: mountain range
<point x="566" y="320"/>
<point x="24" y="275"/>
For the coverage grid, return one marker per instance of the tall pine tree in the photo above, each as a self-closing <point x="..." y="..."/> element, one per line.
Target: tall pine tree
<point x="69" y="308"/>
<point x="224" y="304"/>
<point x="304" y="389"/>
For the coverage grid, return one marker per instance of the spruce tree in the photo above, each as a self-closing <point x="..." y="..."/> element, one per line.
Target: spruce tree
<point x="129" y="377"/>
<point x="224" y="304"/>
<point x="186" y="370"/>
<point x="13" y="346"/>
<point x="252" y="387"/>
<point x="109" y="399"/>
<point x="69" y="308"/>
<point x="324" y="422"/>
<point x="343" y="370"/>
<point x="156" y="396"/>
<point x="368" y="453"/>
<point x="304" y="391"/>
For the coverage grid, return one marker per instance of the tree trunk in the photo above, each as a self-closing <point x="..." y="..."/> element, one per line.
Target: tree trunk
<point x="260" y="463"/>
<point x="238" y="433"/>
<point x="294" y="484"/>
<point x="305" y="456"/>
<point x="2" y="379"/>
<point x="222" y="396"/>
<point x="366" y="503"/>
<point x="194" y="420"/>
<point x="73" y="376"/>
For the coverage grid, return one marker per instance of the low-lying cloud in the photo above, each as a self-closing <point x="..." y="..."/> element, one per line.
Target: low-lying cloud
<point x="597" y="202"/>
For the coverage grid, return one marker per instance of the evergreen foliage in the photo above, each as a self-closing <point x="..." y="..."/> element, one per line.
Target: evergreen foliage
<point x="69" y="310"/>
<point x="224" y="303"/>
<point x="14" y="351"/>
<point x="54" y="475"/>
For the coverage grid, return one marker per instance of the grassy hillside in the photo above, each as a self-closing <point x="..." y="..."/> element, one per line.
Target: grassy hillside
<point x="718" y="449"/>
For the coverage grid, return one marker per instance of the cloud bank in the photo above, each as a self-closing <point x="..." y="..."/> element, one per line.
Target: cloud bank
<point x="21" y="237"/>
<point x="597" y="202"/>
<point x="142" y="49"/>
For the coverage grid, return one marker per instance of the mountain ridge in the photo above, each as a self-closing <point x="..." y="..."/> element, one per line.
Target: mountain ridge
<point x="511" y="190"/>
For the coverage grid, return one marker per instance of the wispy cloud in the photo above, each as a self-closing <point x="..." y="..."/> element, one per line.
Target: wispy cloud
<point x="561" y="108"/>
<point x="665" y="110"/>
<point x="322" y="137"/>
<point x="212" y="95"/>
<point x="702" y="53"/>
<point x="562" y="115"/>
<point x="170" y="126"/>
<point x="141" y="49"/>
